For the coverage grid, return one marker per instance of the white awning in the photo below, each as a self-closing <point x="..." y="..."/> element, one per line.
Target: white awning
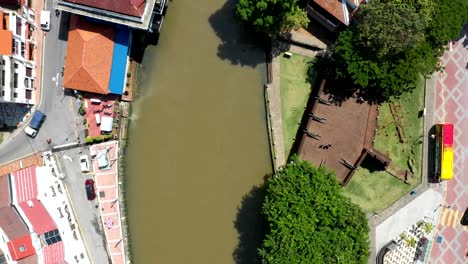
<point x="103" y="159"/>
<point x="106" y="124"/>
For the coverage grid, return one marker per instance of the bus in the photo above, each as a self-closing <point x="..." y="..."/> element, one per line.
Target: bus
<point x="443" y="152"/>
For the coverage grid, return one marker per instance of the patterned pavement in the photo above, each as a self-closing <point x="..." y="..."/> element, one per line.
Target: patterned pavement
<point x="451" y="106"/>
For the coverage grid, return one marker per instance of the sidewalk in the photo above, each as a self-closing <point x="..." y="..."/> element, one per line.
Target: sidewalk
<point x="107" y="191"/>
<point x="39" y="36"/>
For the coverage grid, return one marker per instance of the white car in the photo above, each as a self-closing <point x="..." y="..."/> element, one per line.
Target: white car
<point x="30" y="131"/>
<point x="84" y="163"/>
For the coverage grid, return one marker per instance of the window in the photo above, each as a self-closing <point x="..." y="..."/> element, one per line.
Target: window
<point x="3" y="93"/>
<point x="15" y="66"/>
<point x="29" y="71"/>
<point x="15" y="95"/>
<point x="15" y="80"/>
<point x="3" y="78"/>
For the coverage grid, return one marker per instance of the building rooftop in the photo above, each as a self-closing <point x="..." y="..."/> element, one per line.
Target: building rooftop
<point x="340" y="9"/>
<point x="54" y="253"/>
<point x="128" y="7"/>
<point x="38" y="216"/>
<point x="5" y="199"/>
<point x="89" y="56"/>
<point x="21" y="247"/>
<point x="10" y="221"/>
<point x="25" y="184"/>
<point x="131" y="13"/>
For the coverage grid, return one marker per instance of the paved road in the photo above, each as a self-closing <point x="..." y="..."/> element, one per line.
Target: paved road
<point x="452" y="107"/>
<point x="61" y="123"/>
<point x="86" y="211"/>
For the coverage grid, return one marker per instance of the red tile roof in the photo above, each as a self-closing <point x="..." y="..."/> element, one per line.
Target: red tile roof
<point x="337" y="8"/>
<point x="128" y="7"/>
<point x="21" y="247"/>
<point x="54" y="254"/>
<point x="25" y="184"/>
<point x="89" y="56"/>
<point x="38" y="216"/>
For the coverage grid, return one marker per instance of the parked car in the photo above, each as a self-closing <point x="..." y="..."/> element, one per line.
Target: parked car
<point x="90" y="191"/>
<point x="464" y="219"/>
<point x="84" y="163"/>
<point x="30" y="131"/>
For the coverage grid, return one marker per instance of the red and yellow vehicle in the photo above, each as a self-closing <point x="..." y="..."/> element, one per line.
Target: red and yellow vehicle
<point x="443" y="152"/>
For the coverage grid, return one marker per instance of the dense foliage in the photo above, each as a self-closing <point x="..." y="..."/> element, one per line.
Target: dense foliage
<point x="394" y="41"/>
<point x="309" y="219"/>
<point x="272" y="16"/>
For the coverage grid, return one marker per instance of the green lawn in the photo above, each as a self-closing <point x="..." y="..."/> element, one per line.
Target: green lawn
<point x="375" y="190"/>
<point x="295" y="87"/>
<point x="387" y="139"/>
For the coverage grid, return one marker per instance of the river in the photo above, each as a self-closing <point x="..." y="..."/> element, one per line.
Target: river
<point x="199" y="141"/>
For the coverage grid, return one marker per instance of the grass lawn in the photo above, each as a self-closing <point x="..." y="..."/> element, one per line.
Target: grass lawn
<point x="295" y="87"/>
<point x="375" y="190"/>
<point x="387" y="139"/>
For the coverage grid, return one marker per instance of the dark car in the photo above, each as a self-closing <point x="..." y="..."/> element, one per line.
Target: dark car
<point x="90" y="192"/>
<point x="464" y="219"/>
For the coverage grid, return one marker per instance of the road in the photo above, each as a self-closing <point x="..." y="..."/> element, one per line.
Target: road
<point x="63" y="125"/>
<point x="61" y="110"/>
<point x="452" y="107"/>
<point x="86" y="211"/>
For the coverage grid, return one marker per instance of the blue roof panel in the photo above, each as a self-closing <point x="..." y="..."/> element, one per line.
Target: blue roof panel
<point x="119" y="60"/>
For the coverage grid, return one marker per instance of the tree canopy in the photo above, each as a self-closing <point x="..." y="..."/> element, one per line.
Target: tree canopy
<point x="310" y="221"/>
<point x="395" y="41"/>
<point x="272" y="16"/>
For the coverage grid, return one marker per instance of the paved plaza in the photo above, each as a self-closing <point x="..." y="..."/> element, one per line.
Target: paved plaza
<point x="451" y="106"/>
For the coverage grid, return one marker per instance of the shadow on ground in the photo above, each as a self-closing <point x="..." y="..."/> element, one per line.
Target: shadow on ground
<point x="430" y="158"/>
<point x="250" y="226"/>
<point x="238" y="45"/>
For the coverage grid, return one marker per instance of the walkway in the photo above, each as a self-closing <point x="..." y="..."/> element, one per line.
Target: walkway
<point x="452" y="107"/>
<point x="108" y="197"/>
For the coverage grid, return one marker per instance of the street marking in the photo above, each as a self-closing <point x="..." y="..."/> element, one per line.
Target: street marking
<point x="67" y="157"/>
<point x="444" y="215"/>
<point x="455" y="219"/>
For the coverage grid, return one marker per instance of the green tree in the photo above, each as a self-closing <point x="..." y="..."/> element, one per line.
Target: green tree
<point x="310" y="221"/>
<point x="388" y="28"/>
<point x="449" y="17"/>
<point x="271" y="16"/>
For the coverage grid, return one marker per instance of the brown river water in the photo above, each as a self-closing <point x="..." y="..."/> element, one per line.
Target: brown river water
<point x="199" y="141"/>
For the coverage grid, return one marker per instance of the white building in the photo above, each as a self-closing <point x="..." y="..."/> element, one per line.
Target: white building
<point x="17" y="66"/>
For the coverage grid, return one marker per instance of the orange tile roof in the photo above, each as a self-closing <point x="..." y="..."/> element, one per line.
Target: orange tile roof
<point x="89" y="56"/>
<point x="128" y="7"/>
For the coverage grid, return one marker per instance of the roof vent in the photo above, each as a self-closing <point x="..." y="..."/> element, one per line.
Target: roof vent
<point x="30" y="203"/>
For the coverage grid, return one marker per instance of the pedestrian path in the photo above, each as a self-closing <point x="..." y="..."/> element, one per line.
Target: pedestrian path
<point x="274" y="104"/>
<point x="451" y="106"/>
<point x="105" y="167"/>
